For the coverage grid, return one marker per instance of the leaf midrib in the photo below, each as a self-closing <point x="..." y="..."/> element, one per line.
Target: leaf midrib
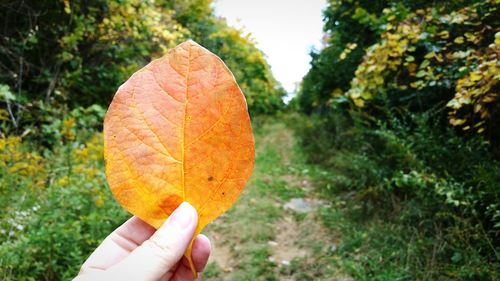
<point x="184" y="125"/>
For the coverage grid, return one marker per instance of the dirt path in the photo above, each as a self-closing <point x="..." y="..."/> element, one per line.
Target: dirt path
<point x="274" y="232"/>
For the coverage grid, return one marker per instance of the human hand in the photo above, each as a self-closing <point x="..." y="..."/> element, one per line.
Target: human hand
<point x="135" y="251"/>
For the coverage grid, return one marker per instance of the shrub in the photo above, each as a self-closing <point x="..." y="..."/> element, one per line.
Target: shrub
<point x="427" y="181"/>
<point x="56" y="207"/>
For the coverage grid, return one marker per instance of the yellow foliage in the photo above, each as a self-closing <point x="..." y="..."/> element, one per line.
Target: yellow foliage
<point x="21" y="166"/>
<point x="459" y="40"/>
<point x="132" y="21"/>
<point x="381" y="59"/>
<point x="63" y="181"/>
<point x="87" y="158"/>
<point x="392" y="63"/>
<point x="4" y="115"/>
<point x="475" y="93"/>
<point x="68" y="129"/>
<point x="18" y="164"/>
<point x="348" y="49"/>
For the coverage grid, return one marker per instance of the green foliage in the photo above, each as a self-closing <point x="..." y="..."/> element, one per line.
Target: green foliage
<point x="426" y="200"/>
<point x="416" y="56"/>
<point x="382" y="248"/>
<point x="56" y="207"/>
<point x="76" y="52"/>
<point x="60" y="55"/>
<point x="382" y="94"/>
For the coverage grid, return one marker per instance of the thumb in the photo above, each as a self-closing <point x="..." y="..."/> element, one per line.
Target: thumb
<point x="160" y="253"/>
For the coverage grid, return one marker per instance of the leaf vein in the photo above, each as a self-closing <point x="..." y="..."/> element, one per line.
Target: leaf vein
<point x="143" y="118"/>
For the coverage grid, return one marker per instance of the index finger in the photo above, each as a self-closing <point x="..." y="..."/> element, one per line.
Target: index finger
<point x="118" y="245"/>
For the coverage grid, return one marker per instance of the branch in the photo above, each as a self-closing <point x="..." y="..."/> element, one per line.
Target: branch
<point x="53" y="82"/>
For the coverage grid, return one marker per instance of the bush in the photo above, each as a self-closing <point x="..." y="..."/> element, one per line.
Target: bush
<point x="56" y="207"/>
<point x="403" y="110"/>
<point x="426" y="181"/>
<point x="413" y="56"/>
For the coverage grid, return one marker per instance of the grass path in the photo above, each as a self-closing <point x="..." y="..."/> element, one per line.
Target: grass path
<point x="260" y="238"/>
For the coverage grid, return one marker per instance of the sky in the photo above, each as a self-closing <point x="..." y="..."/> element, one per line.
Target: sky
<point x="285" y="30"/>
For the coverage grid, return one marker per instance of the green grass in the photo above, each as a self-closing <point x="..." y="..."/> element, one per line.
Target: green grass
<point x="381" y="248"/>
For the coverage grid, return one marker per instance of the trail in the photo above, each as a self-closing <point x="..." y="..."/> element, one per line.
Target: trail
<point x="274" y="232"/>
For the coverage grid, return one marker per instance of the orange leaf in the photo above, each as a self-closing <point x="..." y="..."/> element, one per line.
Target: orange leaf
<point x="178" y="130"/>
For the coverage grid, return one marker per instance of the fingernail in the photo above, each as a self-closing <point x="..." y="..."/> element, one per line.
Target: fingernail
<point x="182" y="216"/>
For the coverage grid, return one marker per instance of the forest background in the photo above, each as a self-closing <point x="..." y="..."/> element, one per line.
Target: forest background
<point x="400" y="109"/>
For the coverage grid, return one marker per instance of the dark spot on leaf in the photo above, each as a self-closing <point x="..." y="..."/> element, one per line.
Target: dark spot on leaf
<point x="210" y="178"/>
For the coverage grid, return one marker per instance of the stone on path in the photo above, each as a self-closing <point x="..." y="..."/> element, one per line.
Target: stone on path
<point x="301" y="205"/>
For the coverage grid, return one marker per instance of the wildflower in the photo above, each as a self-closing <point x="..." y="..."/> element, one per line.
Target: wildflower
<point x="63" y="181"/>
<point x="68" y="128"/>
